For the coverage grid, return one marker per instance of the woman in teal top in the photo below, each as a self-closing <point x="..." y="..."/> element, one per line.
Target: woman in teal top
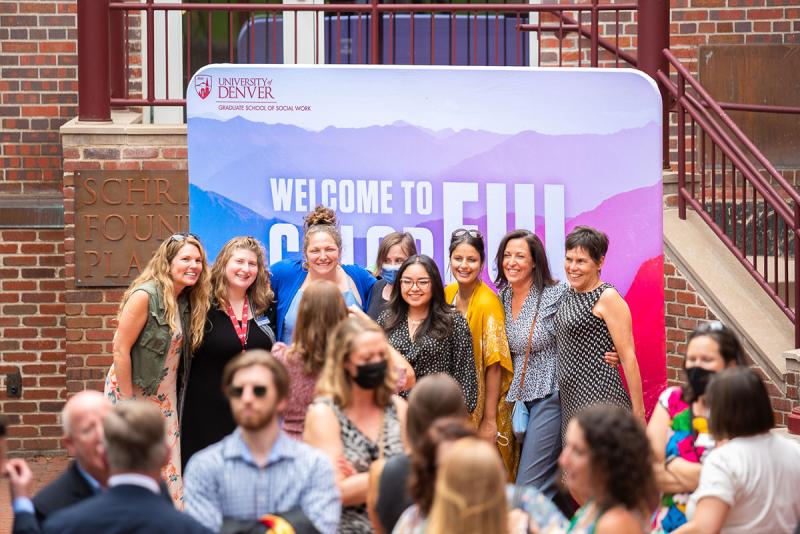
<point x="607" y="465"/>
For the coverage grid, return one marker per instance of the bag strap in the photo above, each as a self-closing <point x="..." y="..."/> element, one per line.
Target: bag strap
<point x="528" y="349"/>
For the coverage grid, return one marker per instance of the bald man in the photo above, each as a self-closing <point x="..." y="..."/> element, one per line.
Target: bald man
<point x="82" y="421"/>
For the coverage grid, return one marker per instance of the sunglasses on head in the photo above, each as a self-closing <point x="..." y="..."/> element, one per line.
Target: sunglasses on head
<point x="713" y="326"/>
<point x="236" y="392"/>
<point x="461" y="232"/>
<point x="183" y="235"/>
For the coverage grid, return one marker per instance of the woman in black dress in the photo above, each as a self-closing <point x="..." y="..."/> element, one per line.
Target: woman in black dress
<point x="429" y="333"/>
<point x="593" y="319"/>
<point x="240" y="318"/>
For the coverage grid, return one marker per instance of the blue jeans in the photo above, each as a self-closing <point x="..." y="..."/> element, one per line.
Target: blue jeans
<point x="538" y="461"/>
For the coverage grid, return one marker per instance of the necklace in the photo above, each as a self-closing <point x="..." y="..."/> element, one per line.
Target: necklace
<point x="413" y="322"/>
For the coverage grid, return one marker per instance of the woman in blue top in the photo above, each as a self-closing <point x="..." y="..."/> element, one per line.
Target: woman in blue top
<point x="322" y="248"/>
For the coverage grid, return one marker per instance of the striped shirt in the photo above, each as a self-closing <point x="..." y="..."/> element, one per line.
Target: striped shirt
<point x="223" y="481"/>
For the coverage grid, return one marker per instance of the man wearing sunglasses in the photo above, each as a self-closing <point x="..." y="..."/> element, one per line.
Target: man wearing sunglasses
<point x="258" y="470"/>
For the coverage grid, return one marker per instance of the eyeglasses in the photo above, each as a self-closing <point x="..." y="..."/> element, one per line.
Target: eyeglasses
<point x="422" y="283"/>
<point x="461" y="232"/>
<point x="259" y="391"/>
<point x="182" y="236"/>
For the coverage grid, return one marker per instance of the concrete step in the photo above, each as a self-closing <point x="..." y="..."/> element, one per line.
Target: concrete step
<point x="731" y="293"/>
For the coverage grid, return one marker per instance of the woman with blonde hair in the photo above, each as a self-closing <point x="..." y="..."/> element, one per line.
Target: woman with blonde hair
<point x="470" y="495"/>
<point x="356" y="418"/>
<point x="239" y="319"/>
<point x="321" y="309"/>
<point x="161" y="321"/>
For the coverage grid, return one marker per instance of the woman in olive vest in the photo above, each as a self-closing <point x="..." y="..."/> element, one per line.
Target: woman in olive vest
<point x="160" y="322"/>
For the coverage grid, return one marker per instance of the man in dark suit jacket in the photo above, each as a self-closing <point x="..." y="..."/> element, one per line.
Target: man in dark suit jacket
<point x="65" y="491"/>
<point x="82" y="419"/>
<point x="136" y="449"/>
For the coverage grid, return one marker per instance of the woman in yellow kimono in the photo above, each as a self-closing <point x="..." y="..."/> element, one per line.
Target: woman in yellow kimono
<point x="484" y="313"/>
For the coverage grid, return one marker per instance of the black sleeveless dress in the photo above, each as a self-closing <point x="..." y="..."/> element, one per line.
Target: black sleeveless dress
<point x="584" y="378"/>
<point x="206" y="417"/>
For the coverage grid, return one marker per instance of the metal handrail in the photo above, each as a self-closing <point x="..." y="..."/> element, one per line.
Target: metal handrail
<point x="737" y="132"/>
<point x="95" y="59"/>
<point x="760" y="108"/>
<point x="527" y="8"/>
<point x="736" y="148"/>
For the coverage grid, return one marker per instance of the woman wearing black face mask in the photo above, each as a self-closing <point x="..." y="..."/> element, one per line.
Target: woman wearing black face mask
<point x="678" y="429"/>
<point x="356" y="419"/>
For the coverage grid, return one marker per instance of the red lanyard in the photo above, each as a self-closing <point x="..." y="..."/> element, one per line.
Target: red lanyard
<point x="241" y="330"/>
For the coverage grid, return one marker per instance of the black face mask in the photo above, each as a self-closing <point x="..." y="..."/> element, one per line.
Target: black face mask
<point x="371" y="375"/>
<point x="698" y="380"/>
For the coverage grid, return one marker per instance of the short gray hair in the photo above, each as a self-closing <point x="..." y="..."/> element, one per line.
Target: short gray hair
<point x="135" y="437"/>
<point x="94" y="398"/>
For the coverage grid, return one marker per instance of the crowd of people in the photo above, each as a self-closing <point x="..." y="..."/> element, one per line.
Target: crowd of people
<point x="321" y="398"/>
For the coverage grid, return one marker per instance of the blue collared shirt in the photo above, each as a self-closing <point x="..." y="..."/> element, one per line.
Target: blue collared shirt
<point x="223" y="481"/>
<point x="94" y="484"/>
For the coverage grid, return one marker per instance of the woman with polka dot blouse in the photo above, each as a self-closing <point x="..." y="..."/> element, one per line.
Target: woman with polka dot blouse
<point x="429" y="333"/>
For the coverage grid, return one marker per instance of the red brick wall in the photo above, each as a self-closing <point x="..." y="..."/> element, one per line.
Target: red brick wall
<point x="693" y="23"/>
<point x="32" y="335"/>
<point x="696" y="22"/>
<point x="91" y="312"/>
<point x="39" y="88"/>
<point x="684" y="309"/>
<point x="38" y="93"/>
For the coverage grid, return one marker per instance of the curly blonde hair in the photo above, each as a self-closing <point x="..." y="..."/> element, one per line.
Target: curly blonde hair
<point x="259" y="293"/>
<point x="335" y="382"/>
<point x="158" y="270"/>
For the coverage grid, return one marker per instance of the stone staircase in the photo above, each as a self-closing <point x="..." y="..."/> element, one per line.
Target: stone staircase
<point x="736" y="299"/>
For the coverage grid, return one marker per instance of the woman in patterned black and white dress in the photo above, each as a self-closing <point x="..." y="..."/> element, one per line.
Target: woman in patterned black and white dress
<point x="592" y="320"/>
<point x="356" y="419"/>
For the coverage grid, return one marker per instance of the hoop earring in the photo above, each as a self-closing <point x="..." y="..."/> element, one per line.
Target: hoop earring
<point x="304" y="265"/>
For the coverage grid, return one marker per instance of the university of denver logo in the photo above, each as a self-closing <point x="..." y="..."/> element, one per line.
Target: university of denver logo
<point x="202" y="84"/>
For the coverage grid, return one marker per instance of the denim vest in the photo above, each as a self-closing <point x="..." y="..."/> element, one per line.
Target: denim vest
<point x="149" y="352"/>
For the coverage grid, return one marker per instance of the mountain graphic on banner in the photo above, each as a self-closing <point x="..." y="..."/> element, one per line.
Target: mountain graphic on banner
<point x="627" y="252"/>
<point x="405" y="152"/>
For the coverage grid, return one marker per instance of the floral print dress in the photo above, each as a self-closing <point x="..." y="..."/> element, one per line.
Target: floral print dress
<point x="166" y="399"/>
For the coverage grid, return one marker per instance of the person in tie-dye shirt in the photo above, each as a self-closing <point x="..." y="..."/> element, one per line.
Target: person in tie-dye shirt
<point x="678" y="429"/>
